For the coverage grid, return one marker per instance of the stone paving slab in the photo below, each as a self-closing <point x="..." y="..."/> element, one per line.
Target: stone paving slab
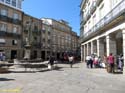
<point x="78" y="79"/>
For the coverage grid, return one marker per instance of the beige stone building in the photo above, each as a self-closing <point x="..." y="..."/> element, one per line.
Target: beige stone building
<point x="46" y="40"/>
<point x="62" y="38"/>
<point x="10" y="28"/>
<point x="102" y="27"/>
<point x="32" y="34"/>
<point x="21" y="33"/>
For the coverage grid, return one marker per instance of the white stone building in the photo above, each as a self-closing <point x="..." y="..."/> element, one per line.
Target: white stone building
<point x="17" y="4"/>
<point x="102" y="27"/>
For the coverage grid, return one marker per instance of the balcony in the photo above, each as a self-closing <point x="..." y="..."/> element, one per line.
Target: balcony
<point x="9" y="34"/>
<point x="2" y="33"/>
<point x="10" y="20"/>
<point x="82" y="22"/>
<point x="14" y="35"/>
<point x="93" y="7"/>
<point x="98" y="2"/>
<point x="118" y="11"/>
<point x="4" y="18"/>
<point x="82" y="3"/>
<point x="16" y="21"/>
<point x="87" y="15"/>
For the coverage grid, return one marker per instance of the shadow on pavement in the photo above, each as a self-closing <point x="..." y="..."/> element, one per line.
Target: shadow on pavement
<point x="75" y="67"/>
<point x="45" y="70"/>
<point x="67" y="62"/>
<point x="6" y="79"/>
<point x="118" y="73"/>
<point x="58" y="68"/>
<point x="23" y="71"/>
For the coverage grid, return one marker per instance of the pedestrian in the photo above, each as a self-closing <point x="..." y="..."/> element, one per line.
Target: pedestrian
<point x="95" y="62"/>
<point x="110" y="60"/>
<point x="91" y="61"/>
<point x="120" y="62"/>
<point x="87" y="61"/>
<point x="104" y="61"/>
<point x="51" y="62"/>
<point x="71" y="58"/>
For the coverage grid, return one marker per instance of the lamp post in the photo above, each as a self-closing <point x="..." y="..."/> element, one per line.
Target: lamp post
<point x="28" y="40"/>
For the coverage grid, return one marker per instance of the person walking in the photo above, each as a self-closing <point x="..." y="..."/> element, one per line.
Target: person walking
<point x="51" y="62"/>
<point x="87" y="61"/>
<point x="71" y="58"/>
<point x="110" y="60"/>
<point x="96" y="62"/>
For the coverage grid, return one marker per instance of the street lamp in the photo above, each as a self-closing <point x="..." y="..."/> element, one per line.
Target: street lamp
<point x="28" y="40"/>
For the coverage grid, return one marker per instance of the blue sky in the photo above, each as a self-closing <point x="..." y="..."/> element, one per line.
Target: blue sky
<point x="57" y="9"/>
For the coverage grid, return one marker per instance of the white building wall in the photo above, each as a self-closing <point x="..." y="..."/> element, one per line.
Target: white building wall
<point x="18" y="4"/>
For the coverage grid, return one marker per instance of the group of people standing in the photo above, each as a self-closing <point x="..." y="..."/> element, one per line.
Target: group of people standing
<point x="113" y="64"/>
<point x="106" y="62"/>
<point x="52" y="61"/>
<point x="94" y="61"/>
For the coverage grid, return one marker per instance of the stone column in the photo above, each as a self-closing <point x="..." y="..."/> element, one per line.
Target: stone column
<point x="111" y="45"/>
<point x="98" y="54"/>
<point x="87" y="49"/>
<point x="107" y="45"/>
<point x="82" y="48"/>
<point x="100" y="48"/>
<point x="92" y="47"/>
<point x="123" y="34"/>
<point x="84" y="53"/>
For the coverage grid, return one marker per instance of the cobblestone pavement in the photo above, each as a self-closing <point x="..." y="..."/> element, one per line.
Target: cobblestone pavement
<point x="78" y="79"/>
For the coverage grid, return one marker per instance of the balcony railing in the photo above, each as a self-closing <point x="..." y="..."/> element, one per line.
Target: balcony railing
<point x="112" y="15"/>
<point x="10" y="20"/>
<point x="98" y="2"/>
<point x="93" y="7"/>
<point x="16" y="21"/>
<point x="10" y="34"/>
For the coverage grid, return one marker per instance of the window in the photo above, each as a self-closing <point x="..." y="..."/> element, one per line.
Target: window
<point x="3" y="27"/>
<point x="115" y="2"/>
<point x="4" y="12"/>
<point x="2" y="41"/>
<point x="19" y="4"/>
<point x="14" y="42"/>
<point x="101" y="11"/>
<point x="16" y="16"/>
<point x="8" y="1"/>
<point x="94" y="20"/>
<point x="15" y="29"/>
<point x="89" y="23"/>
<point x="2" y="0"/>
<point x="14" y="3"/>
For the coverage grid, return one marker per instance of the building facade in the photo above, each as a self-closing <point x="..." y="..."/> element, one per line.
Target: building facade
<point x="10" y="29"/>
<point x="102" y="27"/>
<point x="62" y="38"/>
<point x="46" y="40"/>
<point x="16" y="4"/>
<point x="22" y="34"/>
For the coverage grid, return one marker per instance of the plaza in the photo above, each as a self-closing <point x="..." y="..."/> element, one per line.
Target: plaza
<point x="64" y="79"/>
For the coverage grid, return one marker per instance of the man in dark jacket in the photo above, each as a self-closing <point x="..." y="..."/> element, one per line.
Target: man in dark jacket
<point x="51" y="62"/>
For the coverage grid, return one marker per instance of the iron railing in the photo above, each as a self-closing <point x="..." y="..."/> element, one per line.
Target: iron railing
<point x="10" y="20"/>
<point x="112" y="15"/>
